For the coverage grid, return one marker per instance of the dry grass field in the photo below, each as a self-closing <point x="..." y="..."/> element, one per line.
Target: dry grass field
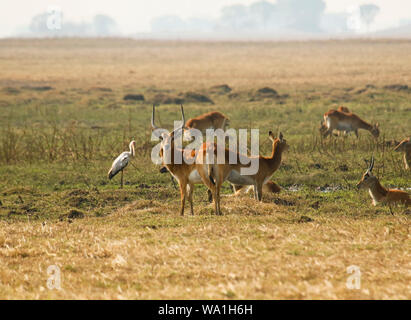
<point x="63" y="120"/>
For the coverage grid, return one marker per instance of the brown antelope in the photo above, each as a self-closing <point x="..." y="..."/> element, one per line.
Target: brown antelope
<point x="405" y="147"/>
<point x="218" y="173"/>
<point x="379" y="193"/>
<point x="186" y="174"/>
<point x="341" y="120"/>
<point x="211" y="120"/>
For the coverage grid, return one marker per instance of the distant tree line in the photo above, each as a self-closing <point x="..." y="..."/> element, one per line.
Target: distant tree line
<point x="268" y="17"/>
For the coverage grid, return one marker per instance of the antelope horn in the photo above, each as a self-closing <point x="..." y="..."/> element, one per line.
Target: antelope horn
<point x="183" y="118"/>
<point x="281" y="136"/>
<point x="153" y="126"/>
<point x="372" y="164"/>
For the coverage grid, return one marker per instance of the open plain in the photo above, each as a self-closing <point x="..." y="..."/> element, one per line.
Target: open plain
<point x="63" y="120"/>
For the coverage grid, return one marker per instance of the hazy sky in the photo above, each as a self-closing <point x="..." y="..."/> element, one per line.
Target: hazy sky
<point x="135" y="15"/>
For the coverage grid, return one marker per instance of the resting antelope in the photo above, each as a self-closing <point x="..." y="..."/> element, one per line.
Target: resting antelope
<point x="405" y="147"/>
<point x="218" y="173"/>
<point x="341" y="120"/>
<point x="269" y="187"/>
<point x="186" y="174"/>
<point x="380" y="194"/>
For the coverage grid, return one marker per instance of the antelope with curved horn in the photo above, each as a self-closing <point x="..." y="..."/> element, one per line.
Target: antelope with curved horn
<point x="185" y="173"/>
<point x="211" y="120"/>
<point x="380" y="194"/>
<point x="218" y="173"/>
<point x="341" y="120"/>
<point x="405" y="147"/>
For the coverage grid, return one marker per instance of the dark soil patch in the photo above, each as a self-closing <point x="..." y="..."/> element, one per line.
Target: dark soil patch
<point x="103" y="89"/>
<point x="162" y="98"/>
<point x="233" y="95"/>
<point x="398" y="87"/>
<point x="304" y="219"/>
<point x="317" y="166"/>
<point x="267" y="93"/>
<point x="134" y="97"/>
<point x="315" y="205"/>
<point x="183" y="97"/>
<point x="196" y="97"/>
<point x="38" y="88"/>
<point x="75" y="214"/>
<point x="221" y="89"/>
<point x="11" y="90"/>
<point x="361" y="91"/>
<point x="343" y="168"/>
<point x="284" y="202"/>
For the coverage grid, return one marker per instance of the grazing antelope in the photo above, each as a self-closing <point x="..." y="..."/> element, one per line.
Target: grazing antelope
<point x="121" y="162"/>
<point x="341" y="120"/>
<point x="405" y="147"/>
<point x="185" y="173"/>
<point x="218" y="173"/>
<point x="379" y="193"/>
<point x="211" y="120"/>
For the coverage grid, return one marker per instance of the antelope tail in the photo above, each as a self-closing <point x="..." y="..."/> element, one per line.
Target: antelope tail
<point x="209" y="160"/>
<point x="210" y="174"/>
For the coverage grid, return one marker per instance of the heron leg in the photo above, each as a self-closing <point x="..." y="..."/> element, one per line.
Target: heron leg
<point x="121" y="187"/>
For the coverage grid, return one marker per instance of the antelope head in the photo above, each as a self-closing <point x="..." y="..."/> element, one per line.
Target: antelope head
<point x="368" y="179"/>
<point x="403" y="146"/>
<point x="322" y="127"/>
<point x="375" y="131"/>
<point x="279" y="142"/>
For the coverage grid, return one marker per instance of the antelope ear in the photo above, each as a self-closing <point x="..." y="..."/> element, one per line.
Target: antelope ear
<point x="377" y="125"/>
<point x="271" y="135"/>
